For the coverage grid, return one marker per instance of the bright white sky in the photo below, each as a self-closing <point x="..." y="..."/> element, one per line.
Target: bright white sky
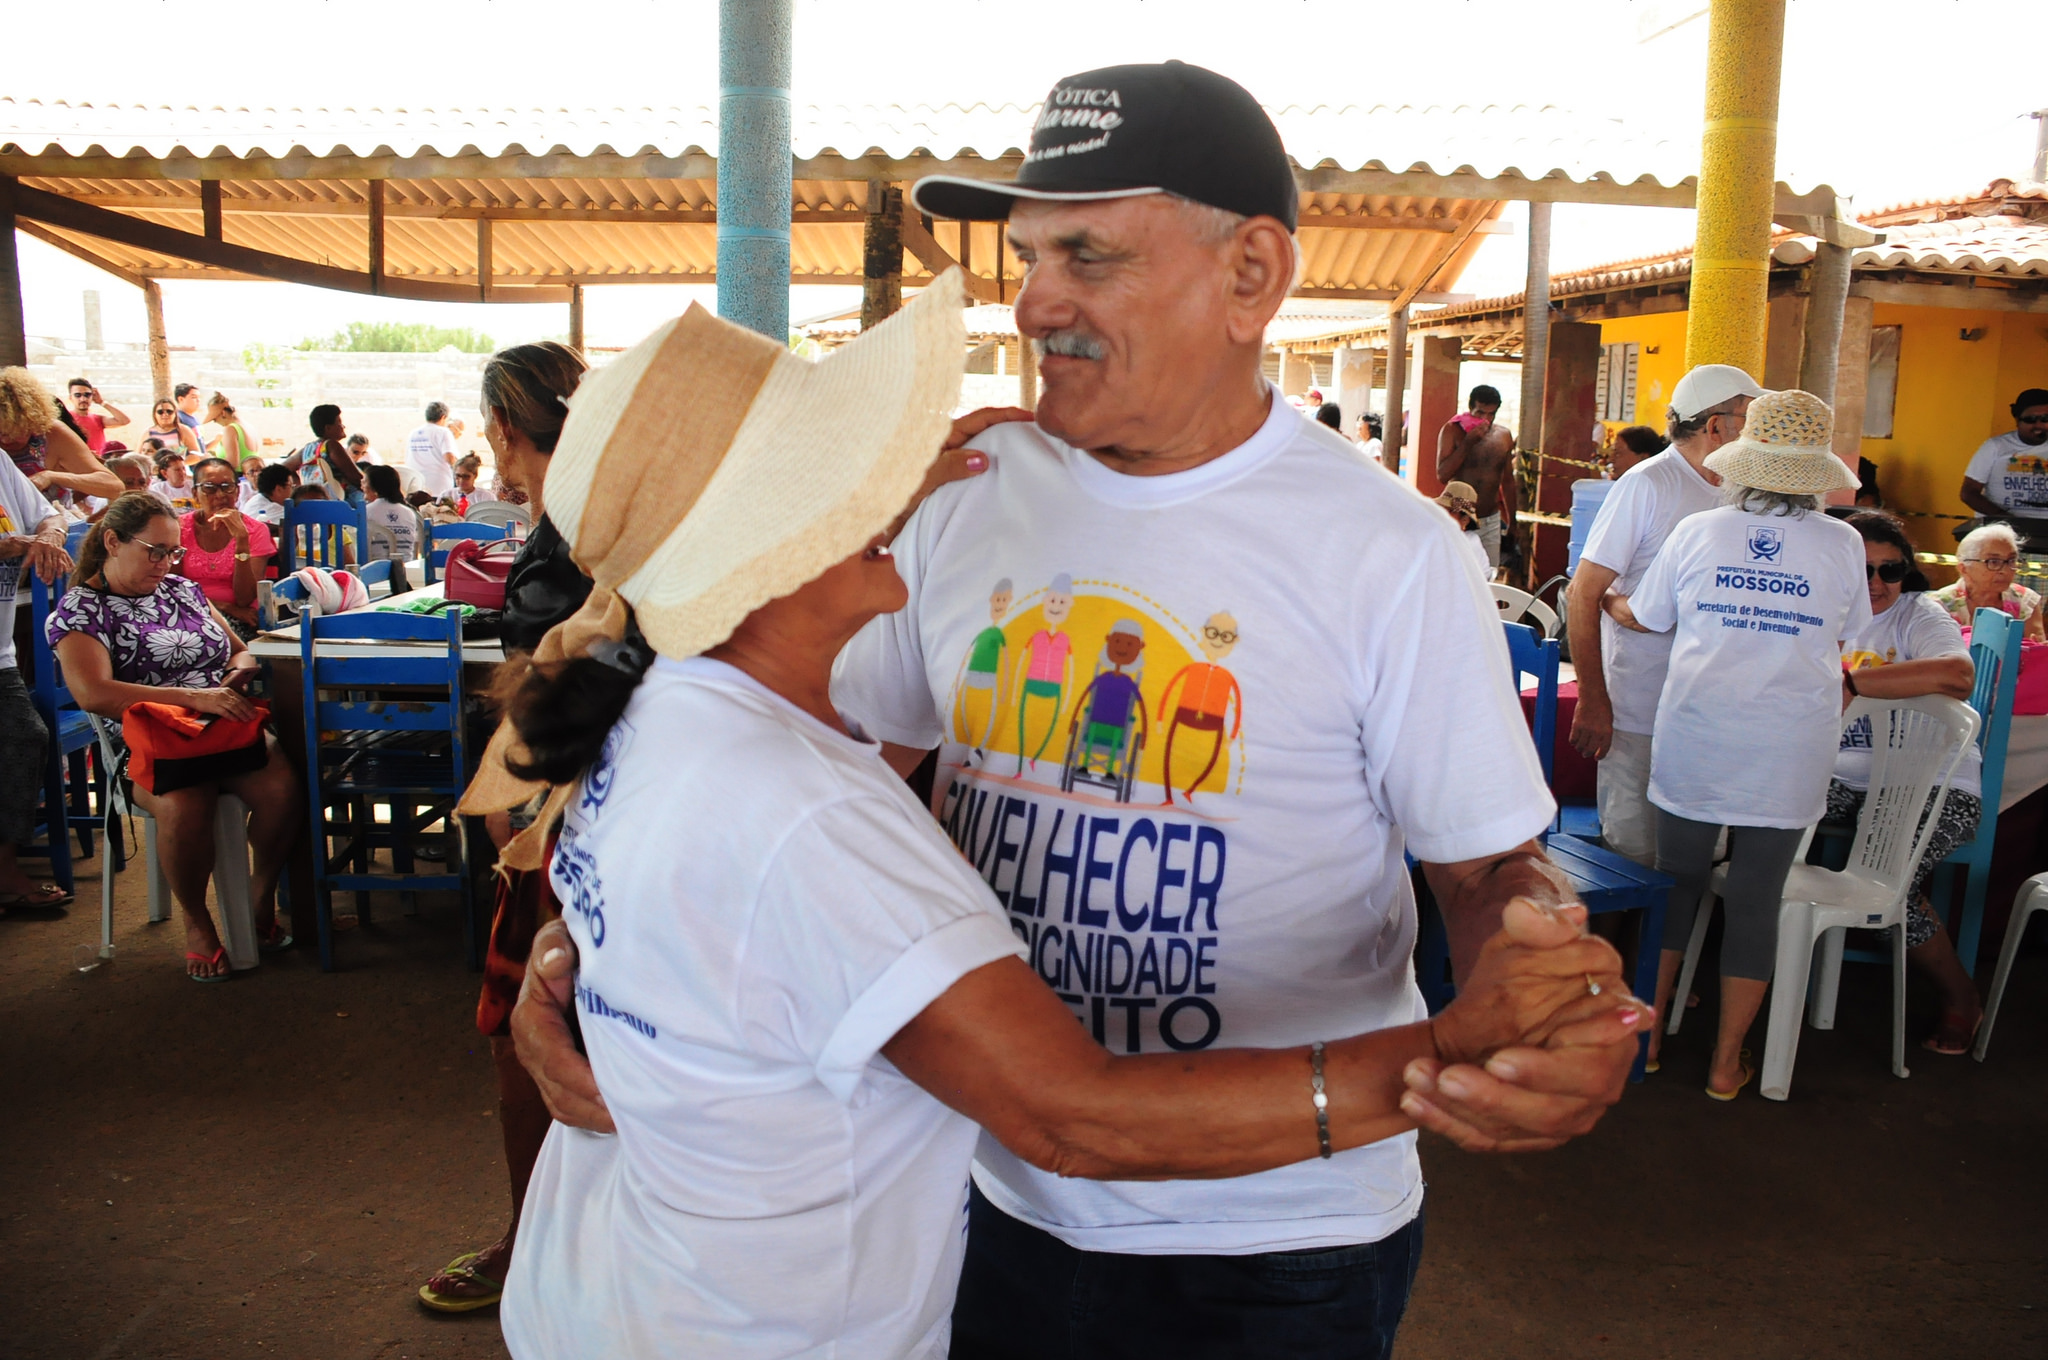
<point x="1913" y="98"/>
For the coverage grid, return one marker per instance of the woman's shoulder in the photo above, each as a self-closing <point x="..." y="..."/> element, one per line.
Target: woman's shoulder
<point x="2026" y="596"/>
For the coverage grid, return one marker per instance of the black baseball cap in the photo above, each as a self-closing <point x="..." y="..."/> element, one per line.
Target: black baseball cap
<point x="1124" y="131"/>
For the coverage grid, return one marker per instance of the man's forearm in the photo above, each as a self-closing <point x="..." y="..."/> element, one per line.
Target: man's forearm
<point x="1582" y="626"/>
<point x="1471" y="895"/>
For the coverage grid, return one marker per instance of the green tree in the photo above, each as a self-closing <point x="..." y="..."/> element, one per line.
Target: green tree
<point x="400" y="337"/>
<point x="263" y="362"/>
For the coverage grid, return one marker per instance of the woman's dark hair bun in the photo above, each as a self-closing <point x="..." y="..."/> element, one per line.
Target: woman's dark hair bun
<point x="563" y="713"/>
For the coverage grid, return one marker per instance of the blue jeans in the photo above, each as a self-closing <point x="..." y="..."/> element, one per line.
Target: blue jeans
<point x="1026" y="1295"/>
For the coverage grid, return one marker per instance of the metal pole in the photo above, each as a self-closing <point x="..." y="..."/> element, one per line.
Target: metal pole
<point x="1535" y="329"/>
<point x="13" y="324"/>
<point x="1820" y="350"/>
<point x="1397" y="390"/>
<point x="1737" y="186"/>
<point x="754" y="164"/>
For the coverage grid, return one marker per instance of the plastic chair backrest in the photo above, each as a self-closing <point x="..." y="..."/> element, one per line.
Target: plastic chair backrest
<point x="438" y="534"/>
<point x="1519" y="606"/>
<point x="1995" y="650"/>
<point x="500" y="513"/>
<point x="1536" y="656"/>
<point x="1916" y="745"/>
<point x="74" y="537"/>
<point x="312" y="531"/>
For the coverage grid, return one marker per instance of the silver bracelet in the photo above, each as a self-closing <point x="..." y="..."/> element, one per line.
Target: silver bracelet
<point x="1319" y="1099"/>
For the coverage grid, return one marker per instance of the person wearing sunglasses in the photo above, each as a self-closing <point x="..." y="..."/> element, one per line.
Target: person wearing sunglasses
<point x="226" y="551"/>
<point x="166" y="429"/>
<point x="1912" y="647"/>
<point x="132" y="630"/>
<point x="2008" y="474"/>
<point x="1989" y="560"/>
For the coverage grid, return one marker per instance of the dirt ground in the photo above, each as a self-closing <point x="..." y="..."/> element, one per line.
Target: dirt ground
<point x="272" y="1166"/>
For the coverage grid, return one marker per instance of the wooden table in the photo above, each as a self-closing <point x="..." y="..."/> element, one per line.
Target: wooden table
<point x="280" y="648"/>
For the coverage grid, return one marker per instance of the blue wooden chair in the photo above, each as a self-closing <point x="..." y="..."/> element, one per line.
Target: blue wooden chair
<point x="314" y="534"/>
<point x="393" y="735"/>
<point x="69" y="783"/>
<point x="1995" y="648"/>
<point x="436" y="556"/>
<point x="1534" y="655"/>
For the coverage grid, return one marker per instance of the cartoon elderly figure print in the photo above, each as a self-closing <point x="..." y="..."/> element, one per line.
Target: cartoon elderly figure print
<point x="1102" y="747"/>
<point x="1048" y="667"/>
<point x="981" y="673"/>
<point x="1210" y="701"/>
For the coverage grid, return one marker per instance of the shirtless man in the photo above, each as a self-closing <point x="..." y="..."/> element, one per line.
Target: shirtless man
<point x="1471" y="448"/>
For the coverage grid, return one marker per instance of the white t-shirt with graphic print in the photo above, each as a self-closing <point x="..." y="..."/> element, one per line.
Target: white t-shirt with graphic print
<point x="1642" y="508"/>
<point x="1222" y="708"/>
<point x="1751" y="713"/>
<point x="1915" y="628"/>
<point x="759" y="904"/>
<point x="2014" y="472"/>
<point x="22" y="511"/>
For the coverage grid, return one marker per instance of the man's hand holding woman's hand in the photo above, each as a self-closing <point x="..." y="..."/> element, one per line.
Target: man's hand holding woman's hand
<point x="1529" y="1054"/>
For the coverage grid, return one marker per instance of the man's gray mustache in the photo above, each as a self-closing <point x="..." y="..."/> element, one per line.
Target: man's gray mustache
<point x="1070" y="345"/>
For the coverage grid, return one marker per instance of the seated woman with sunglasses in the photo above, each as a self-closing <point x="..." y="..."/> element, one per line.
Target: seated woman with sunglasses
<point x="131" y="630"/>
<point x="166" y="429"/>
<point x="226" y="551"/>
<point x="1912" y="647"/>
<point x="1989" y="559"/>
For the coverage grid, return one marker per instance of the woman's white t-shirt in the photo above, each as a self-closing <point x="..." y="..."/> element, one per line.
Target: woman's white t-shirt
<point x="1915" y="628"/>
<point x="402" y="522"/>
<point x="760" y="904"/>
<point x="1751" y="712"/>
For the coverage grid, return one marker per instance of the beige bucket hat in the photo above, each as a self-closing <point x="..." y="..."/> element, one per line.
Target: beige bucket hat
<point x="1786" y="446"/>
<point x="707" y="470"/>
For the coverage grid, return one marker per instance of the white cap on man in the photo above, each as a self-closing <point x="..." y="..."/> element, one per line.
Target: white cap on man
<point x="1708" y="386"/>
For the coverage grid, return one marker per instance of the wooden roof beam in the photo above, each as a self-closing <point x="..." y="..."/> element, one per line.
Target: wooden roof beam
<point x="77" y="251"/>
<point x="79" y="216"/>
<point x="929" y="253"/>
<point x="1443" y="255"/>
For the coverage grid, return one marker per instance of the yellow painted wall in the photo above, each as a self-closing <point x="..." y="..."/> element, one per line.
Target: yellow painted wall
<point x="1656" y="373"/>
<point x="1953" y="395"/>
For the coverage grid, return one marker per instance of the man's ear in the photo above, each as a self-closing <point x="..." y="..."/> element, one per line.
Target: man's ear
<point x="1262" y="275"/>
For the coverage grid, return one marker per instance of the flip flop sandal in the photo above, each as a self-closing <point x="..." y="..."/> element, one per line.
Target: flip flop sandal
<point x="1748" y="1072"/>
<point x="217" y="956"/>
<point x="463" y="1271"/>
<point x="1954" y="1048"/>
<point x="279" y="941"/>
<point x="46" y="897"/>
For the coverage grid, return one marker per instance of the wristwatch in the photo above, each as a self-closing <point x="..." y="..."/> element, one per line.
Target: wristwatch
<point x="241" y="557"/>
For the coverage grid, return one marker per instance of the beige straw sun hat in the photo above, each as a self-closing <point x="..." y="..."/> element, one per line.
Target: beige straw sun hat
<point x="707" y="470"/>
<point x="1786" y="446"/>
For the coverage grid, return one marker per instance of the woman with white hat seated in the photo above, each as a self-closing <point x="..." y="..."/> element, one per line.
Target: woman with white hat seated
<point x="798" y="999"/>
<point x="1761" y="592"/>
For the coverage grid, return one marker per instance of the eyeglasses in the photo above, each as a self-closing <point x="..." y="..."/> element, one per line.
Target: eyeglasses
<point x="1891" y="573"/>
<point x="1222" y="635"/>
<point x="1995" y="563"/>
<point x="167" y="410"/>
<point x="215" y="486"/>
<point x="2031" y="420"/>
<point x="158" y="553"/>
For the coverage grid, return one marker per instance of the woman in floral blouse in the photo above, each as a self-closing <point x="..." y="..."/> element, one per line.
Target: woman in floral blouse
<point x="131" y="630"/>
<point x="1987" y="560"/>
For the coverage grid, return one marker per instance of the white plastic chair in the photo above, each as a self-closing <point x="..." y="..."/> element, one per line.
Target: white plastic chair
<point x="230" y="863"/>
<point x="1519" y="606"/>
<point x="501" y="513"/>
<point x="1920" y="743"/>
<point x="2033" y="897"/>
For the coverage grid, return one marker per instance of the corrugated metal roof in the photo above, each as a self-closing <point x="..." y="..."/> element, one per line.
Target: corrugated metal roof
<point x="628" y="195"/>
<point x="992" y="322"/>
<point x="1528" y="142"/>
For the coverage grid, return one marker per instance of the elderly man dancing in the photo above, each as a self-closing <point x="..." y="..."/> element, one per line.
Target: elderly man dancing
<point x="1257" y="898"/>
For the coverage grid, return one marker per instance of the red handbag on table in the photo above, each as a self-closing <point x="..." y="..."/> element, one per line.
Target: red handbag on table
<point x="476" y="572"/>
<point x="172" y="748"/>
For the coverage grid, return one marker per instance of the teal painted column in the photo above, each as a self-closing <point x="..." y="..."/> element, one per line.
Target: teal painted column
<point x="754" y="164"/>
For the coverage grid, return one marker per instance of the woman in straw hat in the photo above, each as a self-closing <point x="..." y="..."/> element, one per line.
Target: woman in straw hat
<point x="764" y="912"/>
<point x="1761" y="592"/>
